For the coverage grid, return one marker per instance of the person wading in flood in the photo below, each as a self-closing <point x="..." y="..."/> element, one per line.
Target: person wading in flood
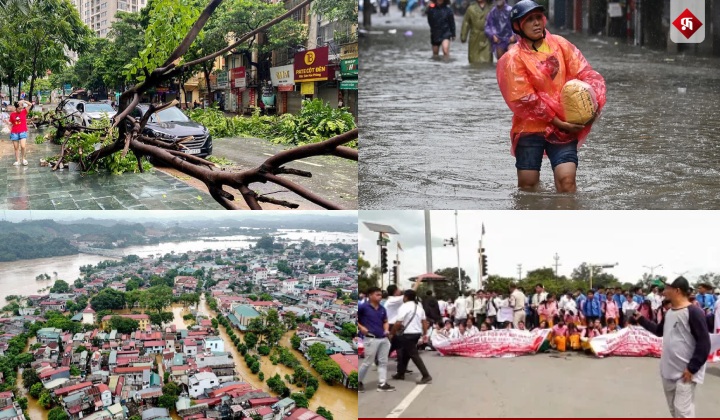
<point x="531" y="76"/>
<point x="442" y="26"/>
<point x="498" y="30"/>
<point x="474" y="24"/>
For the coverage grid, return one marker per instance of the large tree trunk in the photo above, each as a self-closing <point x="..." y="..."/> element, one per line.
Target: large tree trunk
<point x="19" y="90"/>
<point x="206" y="71"/>
<point x="33" y="75"/>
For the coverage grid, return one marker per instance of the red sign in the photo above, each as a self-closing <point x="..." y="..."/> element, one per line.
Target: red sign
<point x="687" y="23"/>
<point x="496" y="343"/>
<point x="237" y="78"/>
<point x="312" y="65"/>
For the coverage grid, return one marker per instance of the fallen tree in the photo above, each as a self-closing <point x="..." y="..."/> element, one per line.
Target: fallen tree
<point x="126" y="134"/>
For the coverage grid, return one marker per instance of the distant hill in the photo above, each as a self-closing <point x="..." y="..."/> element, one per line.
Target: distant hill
<point x="22" y="246"/>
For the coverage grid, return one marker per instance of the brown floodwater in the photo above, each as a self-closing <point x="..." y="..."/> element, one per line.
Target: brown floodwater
<point x="34" y="410"/>
<point x="340" y="401"/>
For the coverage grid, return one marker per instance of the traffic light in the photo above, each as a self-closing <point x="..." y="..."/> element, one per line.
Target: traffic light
<point x="383" y="260"/>
<point x="484" y="264"/>
<point x="395" y="274"/>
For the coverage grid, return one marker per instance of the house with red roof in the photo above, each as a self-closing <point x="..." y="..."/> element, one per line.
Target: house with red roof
<point x="348" y="364"/>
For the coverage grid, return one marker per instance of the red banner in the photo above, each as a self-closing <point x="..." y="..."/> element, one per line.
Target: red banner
<point x="312" y="65"/>
<point x="630" y="341"/>
<point x="496" y="343"/>
<point x="237" y="78"/>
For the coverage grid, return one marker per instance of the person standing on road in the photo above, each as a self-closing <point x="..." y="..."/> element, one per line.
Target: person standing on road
<point x="517" y="303"/>
<point x="591" y="308"/>
<point x="611" y="310"/>
<point x="531" y="77"/>
<point x="393" y="304"/>
<point x="461" y="309"/>
<point x="19" y="130"/>
<point x="492" y="308"/>
<point x="474" y="25"/>
<point x="442" y="26"/>
<point x="374" y="326"/>
<point x="480" y="308"/>
<point x="431" y="307"/>
<point x="498" y="28"/>
<point x="410" y="327"/>
<point x="685" y="348"/>
<point x="538" y="297"/>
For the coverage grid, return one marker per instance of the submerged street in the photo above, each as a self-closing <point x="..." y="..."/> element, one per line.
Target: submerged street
<point x="436" y="133"/>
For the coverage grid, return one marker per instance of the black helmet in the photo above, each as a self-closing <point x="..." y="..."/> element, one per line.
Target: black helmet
<point x="522" y="9"/>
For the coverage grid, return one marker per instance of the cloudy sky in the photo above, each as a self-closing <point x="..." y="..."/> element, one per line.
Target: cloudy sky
<point x="680" y="241"/>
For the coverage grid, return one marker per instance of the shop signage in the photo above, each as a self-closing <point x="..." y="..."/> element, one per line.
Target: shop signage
<point x="237" y="78"/>
<point x="282" y="78"/>
<point x="349" y="67"/>
<point x="312" y="65"/>
<point x="222" y="80"/>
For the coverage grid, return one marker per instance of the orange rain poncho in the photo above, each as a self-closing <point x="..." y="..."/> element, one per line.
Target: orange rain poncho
<point x="531" y="83"/>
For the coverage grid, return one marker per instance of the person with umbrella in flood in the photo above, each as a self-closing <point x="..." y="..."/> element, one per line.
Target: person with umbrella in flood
<point x="442" y="26"/>
<point x="498" y="28"/>
<point x="474" y="25"/>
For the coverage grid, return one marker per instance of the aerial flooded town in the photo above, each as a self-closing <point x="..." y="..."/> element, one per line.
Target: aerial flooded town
<point x="225" y="322"/>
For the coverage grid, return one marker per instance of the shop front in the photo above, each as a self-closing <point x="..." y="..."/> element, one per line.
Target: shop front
<point x="349" y="74"/>
<point x="284" y="84"/>
<point x="238" y="85"/>
<point x="315" y="75"/>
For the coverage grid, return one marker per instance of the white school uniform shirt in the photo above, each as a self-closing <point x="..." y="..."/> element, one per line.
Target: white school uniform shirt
<point x="443" y="306"/>
<point x="472" y="331"/>
<point x="480" y="305"/>
<point x="717" y="316"/>
<point x="413" y="324"/>
<point x="571" y="306"/>
<point x="491" y="311"/>
<point x="460" y="308"/>
<point x="629" y="305"/>
<point x="392" y="306"/>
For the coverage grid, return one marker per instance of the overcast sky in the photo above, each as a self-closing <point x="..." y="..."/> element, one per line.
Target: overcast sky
<point x="679" y="240"/>
<point x="16" y="216"/>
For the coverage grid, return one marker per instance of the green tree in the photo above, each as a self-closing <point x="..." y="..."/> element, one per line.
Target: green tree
<point x="168" y="401"/>
<point x="214" y="323"/>
<point x="353" y="380"/>
<point x="74" y="371"/>
<point x="300" y="399"/>
<point x="255" y="367"/>
<point x="36" y="389"/>
<point x="108" y="299"/>
<point x="266" y="243"/>
<point x="45" y="400"/>
<point x="348" y="331"/>
<point x="309" y="392"/>
<point x="261" y="376"/>
<point x="123" y="325"/>
<point x="367" y="276"/>
<point x="251" y="340"/>
<point x="23" y="403"/>
<point x="283" y="267"/>
<point x="30" y="378"/>
<point x="60" y="286"/>
<point x="161" y="318"/>
<point x="159" y="297"/>
<point x="266" y="297"/>
<point x="290" y="320"/>
<point x="322" y="411"/>
<point x="57" y="413"/>
<point x="330" y="371"/>
<point x="295" y="340"/>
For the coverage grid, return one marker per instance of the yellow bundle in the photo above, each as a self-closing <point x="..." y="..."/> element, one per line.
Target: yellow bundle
<point x="579" y="103"/>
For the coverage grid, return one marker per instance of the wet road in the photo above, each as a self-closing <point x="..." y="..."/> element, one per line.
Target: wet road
<point x="435" y="133"/>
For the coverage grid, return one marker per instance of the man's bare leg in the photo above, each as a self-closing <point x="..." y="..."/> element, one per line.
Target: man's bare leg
<point x="565" y="177"/>
<point x="528" y="180"/>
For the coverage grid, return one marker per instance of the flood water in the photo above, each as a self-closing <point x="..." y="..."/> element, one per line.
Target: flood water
<point x="435" y="133"/>
<point x="34" y="410"/>
<point x="342" y="402"/>
<point x="18" y="277"/>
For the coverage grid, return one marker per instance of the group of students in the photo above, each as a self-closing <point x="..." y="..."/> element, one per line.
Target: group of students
<point x="489" y="28"/>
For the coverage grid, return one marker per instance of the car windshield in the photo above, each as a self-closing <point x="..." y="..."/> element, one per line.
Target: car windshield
<point x="99" y="108"/>
<point x="169" y="115"/>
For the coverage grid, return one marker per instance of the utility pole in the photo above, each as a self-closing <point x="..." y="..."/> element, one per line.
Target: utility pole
<point x="557" y="263"/>
<point x="454" y="242"/>
<point x="519" y="272"/>
<point x="652" y="269"/>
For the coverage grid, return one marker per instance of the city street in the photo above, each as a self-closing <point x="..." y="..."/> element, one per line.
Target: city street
<point x="436" y="133"/>
<point x="543" y="385"/>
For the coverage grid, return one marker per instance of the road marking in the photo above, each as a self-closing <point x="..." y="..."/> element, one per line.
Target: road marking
<point x="301" y="161"/>
<point x="405" y="403"/>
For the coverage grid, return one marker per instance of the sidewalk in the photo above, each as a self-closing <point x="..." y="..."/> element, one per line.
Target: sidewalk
<point x="34" y="187"/>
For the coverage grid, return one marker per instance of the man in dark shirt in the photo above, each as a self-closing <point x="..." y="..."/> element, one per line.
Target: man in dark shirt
<point x="685" y="348"/>
<point x="431" y="307"/>
<point x="373" y="325"/>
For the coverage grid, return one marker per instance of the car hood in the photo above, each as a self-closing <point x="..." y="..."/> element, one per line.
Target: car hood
<point x="100" y="114"/>
<point x="179" y="128"/>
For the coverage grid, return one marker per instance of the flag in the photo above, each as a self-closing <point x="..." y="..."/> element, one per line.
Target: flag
<point x="483" y="229"/>
<point x="399" y="246"/>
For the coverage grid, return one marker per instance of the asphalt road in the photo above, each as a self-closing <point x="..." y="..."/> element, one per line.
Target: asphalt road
<point x="543" y="385"/>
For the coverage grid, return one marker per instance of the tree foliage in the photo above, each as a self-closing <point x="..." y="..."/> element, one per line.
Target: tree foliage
<point x="108" y="299"/>
<point x="123" y="325"/>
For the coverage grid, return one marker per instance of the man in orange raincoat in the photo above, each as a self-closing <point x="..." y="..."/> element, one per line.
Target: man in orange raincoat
<point x="531" y="76"/>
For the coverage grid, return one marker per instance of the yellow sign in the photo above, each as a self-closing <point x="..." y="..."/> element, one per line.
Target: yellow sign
<point x="349" y="51"/>
<point x="307" y="88"/>
<point x="309" y="58"/>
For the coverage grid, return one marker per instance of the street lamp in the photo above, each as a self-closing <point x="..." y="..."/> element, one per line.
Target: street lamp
<point x="456" y="243"/>
<point x="652" y="269"/>
<point x="594" y="266"/>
